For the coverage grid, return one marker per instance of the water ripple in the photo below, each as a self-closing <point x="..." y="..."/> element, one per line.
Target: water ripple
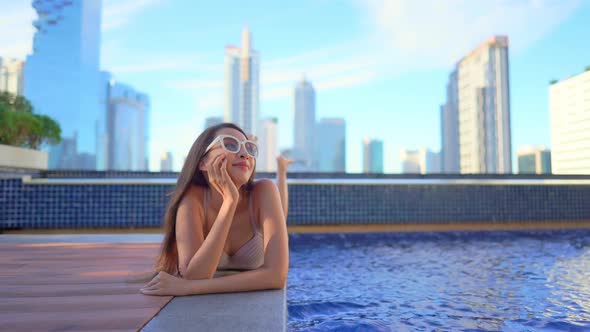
<point x="456" y="281"/>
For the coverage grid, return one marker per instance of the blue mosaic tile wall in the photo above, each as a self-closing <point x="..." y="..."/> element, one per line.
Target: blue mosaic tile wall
<point x="26" y="206"/>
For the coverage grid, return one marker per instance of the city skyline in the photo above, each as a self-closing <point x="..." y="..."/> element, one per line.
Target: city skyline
<point x="396" y="100"/>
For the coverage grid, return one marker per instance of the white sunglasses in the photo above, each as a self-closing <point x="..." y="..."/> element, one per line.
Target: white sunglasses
<point x="233" y="145"/>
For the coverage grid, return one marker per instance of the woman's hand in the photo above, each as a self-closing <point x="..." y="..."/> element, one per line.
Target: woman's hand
<point x="252" y="137"/>
<point x="166" y="284"/>
<point x="220" y="179"/>
<point x="283" y="163"/>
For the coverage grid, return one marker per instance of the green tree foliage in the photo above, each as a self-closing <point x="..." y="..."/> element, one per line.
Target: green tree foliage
<point x="19" y="126"/>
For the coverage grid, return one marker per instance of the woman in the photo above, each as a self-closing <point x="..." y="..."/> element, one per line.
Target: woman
<point x="219" y="221"/>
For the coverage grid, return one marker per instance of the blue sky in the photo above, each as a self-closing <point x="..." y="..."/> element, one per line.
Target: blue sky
<point x="382" y="65"/>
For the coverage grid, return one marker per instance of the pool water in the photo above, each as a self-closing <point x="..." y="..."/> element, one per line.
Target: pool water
<point x="455" y="281"/>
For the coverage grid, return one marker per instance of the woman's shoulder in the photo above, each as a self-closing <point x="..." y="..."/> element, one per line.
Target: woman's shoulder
<point x="193" y="196"/>
<point x="264" y="187"/>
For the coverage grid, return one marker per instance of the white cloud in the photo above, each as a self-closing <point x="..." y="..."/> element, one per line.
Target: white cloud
<point x="434" y="33"/>
<point x="16" y="29"/>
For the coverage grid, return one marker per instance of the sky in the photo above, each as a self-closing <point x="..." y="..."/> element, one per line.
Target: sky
<point x="382" y="65"/>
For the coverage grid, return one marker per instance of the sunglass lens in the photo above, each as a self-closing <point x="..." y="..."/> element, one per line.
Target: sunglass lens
<point x="231" y="144"/>
<point x="252" y="149"/>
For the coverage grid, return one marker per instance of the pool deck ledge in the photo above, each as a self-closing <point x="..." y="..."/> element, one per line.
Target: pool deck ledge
<point x="82" y="282"/>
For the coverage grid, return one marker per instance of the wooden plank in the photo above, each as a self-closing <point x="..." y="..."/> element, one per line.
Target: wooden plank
<point x="76" y="286"/>
<point x="115" y="318"/>
<point x="72" y="303"/>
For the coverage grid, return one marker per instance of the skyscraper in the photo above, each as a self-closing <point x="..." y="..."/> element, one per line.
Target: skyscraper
<point x="331" y="145"/>
<point x="449" y="119"/>
<point x="11" y="76"/>
<point x="268" y="145"/>
<point x="242" y="84"/>
<point x="534" y="160"/>
<point x="372" y="156"/>
<point x="62" y="74"/>
<point x="304" y="125"/>
<point x="484" y="109"/>
<point x="166" y="163"/>
<point x="420" y="161"/>
<point x="127" y="128"/>
<point x="569" y="109"/>
<point x="212" y="121"/>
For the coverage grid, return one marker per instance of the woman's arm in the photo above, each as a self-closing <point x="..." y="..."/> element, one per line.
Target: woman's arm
<point x="272" y="275"/>
<point x="198" y="257"/>
<point x="282" y="164"/>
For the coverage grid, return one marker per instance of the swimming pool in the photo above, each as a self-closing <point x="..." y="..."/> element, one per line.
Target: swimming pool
<point x="459" y="281"/>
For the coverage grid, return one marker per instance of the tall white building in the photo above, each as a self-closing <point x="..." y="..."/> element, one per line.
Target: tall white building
<point x="62" y="75"/>
<point x="449" y="119"/>
<point x="420" y="161"/>
<point x="166" y="162"/>
<point x="569" y="108"/>
<point x="242" y="75"/>
<point x="268" y="145"/>
<point x="484" y="109"/>
<point x="331" y="145"/>
<point x="127" y="128"/>
<point x="11" y="76"/>
<point x="304" y="125"/>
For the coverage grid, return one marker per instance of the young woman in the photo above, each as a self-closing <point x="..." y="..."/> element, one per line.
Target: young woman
<point x="219" y="221"/>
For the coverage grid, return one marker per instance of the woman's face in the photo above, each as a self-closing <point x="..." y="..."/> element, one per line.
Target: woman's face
<point x="239" y="165"/>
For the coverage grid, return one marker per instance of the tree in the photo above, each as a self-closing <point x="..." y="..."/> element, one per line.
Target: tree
<point x="19" y="126"/>
<point x="587" y="68"/>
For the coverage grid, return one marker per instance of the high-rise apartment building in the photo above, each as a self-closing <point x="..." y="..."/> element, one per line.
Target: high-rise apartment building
<point x="127" y="127"/>
<point x="166" y="162"/>
<point x="11" y="76"/>
<point x="212" y="121"/>
<point x="484" y="109"/>
<point x="449" y="119"/>
<point x="268" y="145"/>
<point x="331" y="145"/>
<point x="372" y="156"/>
<point x="420" y="161"/>
<point x="534" y="160"/>
<point x="569" y="109"/>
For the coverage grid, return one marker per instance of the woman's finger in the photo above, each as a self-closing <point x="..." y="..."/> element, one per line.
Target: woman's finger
<point x="152" y="282"/>
<point x="152" y="287"/>
<point x="151" y="292"/>
<point x="216" y="173"/>
<point x="211" y="169"/>
<point x="224" y="172"/>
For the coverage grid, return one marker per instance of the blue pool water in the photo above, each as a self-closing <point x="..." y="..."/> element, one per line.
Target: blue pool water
<point x="460" y="281"/>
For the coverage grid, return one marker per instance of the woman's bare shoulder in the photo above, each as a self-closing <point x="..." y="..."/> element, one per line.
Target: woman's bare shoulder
<point x="263" y="191"/>
<point x="193" y="198"/>
<point x="263" y="187"/>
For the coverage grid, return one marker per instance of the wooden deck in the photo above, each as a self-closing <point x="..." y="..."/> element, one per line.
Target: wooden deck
<point x="76" y="286"/>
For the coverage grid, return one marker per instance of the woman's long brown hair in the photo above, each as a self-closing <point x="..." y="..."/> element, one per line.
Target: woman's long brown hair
<point x="190" y="175"/>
